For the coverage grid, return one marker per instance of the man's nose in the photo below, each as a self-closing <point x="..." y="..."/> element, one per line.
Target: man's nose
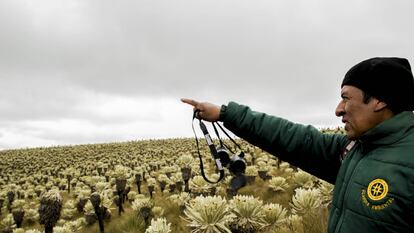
<point x="340" y="111"/>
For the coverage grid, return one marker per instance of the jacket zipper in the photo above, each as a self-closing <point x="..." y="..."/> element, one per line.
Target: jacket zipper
<point x="341" y="216"/>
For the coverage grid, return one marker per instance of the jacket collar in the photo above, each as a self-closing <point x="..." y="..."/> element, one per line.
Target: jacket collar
<point x="390" y="130"/>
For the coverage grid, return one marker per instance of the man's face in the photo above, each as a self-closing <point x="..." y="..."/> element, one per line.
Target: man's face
<point x="358" y="116"/>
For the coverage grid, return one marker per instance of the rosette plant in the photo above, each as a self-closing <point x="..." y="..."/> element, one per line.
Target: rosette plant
<point x="263" y="169"/>
<point x="18" y="212"/>
<point x="199" y="186"/>
<point x="154" y="165"/>
<point x="121" y="175"/>
<point x="101" y="168"/>
<point x="181" y="199"/>
<point x="11" y="195"/>
<point x="100" y="203"/>
<point x="251" y="174"/>
<point x="168" y="170"/>
<point x="293" y="224"/>
<point x="158" y="211"/>
<point x="248" y="157"/>
<point x="159" y="225"/>
<point x="185" y="161"/>
<point x="75" y="225"/>
<point x="131" y="196"/>
<point x="303" y="179"/>
<point x="177" y="178"/>
<point x="306" y="201"/>
<point x="286" y="171"/>
<point x="284" y="165"/>
<point x="69" y="227"/>
<point x="8" y="224"/>
<point x="49" y="210"/>
<point x="151" y="182"/>
<point x="249" y="214"/>
<point x="31" y="216"/>
<point x="30" y="193"/>
<point x="208" y="214"/>
<point x="163" y="180"/>
<point x="143" y="207"/>
<point x="89" y="213"/>
<point x="278" y="184"/>
<point x="172" y="183"/>
<point x="138" y="178"/>
<point x="326" y="190"/>
<point x="38" y="190"/>
<point x="70" y="173"/>
<point x="21" y="193"/>
<point x="69" y="210"/>
<point x="274" y="215"/>
<point x="82" y="198"/>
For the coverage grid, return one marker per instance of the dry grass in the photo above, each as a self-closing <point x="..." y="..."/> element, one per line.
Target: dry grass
<point x="130" y="221"/>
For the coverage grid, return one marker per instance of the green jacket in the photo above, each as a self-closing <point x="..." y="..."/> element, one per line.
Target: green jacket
<point x="374" y="181"/>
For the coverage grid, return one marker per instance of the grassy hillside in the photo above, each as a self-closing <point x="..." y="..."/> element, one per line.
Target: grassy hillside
<point x="280" y="198"/>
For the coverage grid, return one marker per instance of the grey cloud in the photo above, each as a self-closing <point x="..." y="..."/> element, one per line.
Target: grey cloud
<point x="287" y="56"/>
<point x="149" y="47"/>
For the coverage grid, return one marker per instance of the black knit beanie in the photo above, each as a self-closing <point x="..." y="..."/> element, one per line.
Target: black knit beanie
<point x="388" y="79"/>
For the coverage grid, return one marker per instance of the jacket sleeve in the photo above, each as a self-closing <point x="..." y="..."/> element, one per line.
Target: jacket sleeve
<point x="302" y="146"/>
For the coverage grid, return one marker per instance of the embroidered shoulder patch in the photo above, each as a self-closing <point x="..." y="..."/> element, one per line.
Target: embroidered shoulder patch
<point x="375" y="196"/>
<point x="377" y="189"/>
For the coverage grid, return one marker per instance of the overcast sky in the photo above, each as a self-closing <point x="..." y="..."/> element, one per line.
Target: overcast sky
<point x="83" y="71"/>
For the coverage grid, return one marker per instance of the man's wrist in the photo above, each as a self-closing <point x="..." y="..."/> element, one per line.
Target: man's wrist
<point x="223" y="110"/>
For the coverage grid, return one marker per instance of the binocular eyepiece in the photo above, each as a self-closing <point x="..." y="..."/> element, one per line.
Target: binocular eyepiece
<point x="235" y="163"/>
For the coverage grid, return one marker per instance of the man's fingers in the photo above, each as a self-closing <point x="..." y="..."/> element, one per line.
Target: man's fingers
<point x="203" y="110"/>
<point x="195" y="104"/>
<point x="189" y="101"/>
<point x="197" y="113"/>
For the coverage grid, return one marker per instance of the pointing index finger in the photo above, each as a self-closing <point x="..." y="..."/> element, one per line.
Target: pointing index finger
<point x="190" y="102"/>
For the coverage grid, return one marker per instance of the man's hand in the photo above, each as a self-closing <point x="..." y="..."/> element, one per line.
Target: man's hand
<point x="206" y="111"/>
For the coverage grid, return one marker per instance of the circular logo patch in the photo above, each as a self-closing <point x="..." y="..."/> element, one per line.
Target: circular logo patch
<point x="377" y="189"/>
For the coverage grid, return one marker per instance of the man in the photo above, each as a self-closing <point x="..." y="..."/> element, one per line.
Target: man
<point x="372" y="166"/>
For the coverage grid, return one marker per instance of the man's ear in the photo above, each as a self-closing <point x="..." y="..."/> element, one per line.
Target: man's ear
<point x="379" y="105"/>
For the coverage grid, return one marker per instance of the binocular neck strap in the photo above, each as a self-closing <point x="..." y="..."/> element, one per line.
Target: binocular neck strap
<point x="213" y="151"/>
<point x="231" y="139"/>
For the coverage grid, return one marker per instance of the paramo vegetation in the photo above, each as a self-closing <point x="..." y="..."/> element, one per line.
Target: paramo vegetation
<point x="154" y="186"/>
